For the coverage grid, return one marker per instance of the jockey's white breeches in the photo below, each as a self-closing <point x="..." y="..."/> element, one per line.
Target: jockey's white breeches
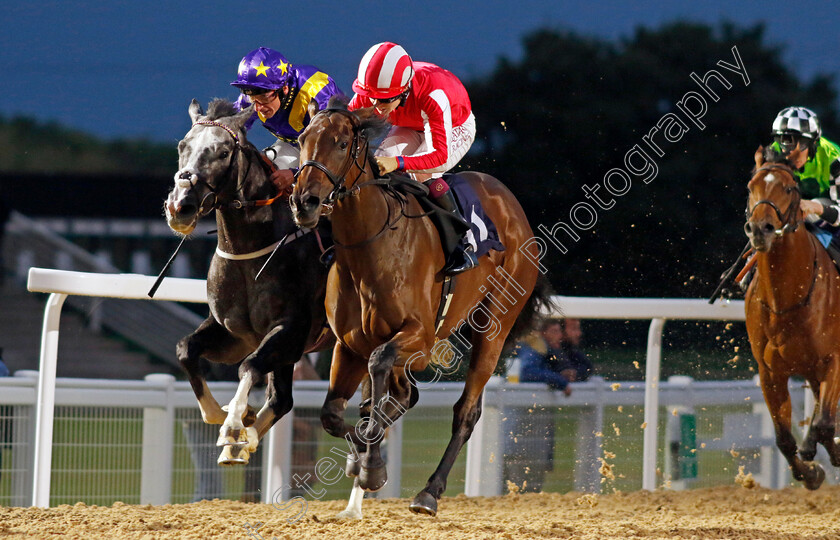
<point x="402" y="141"/>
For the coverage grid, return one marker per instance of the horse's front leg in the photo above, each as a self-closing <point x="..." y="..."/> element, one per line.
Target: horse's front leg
<point x="776" y="395"/>
<point x="241" y="431"/>
<point x="809" y="445"/>
<point x="214" y="342"/>
<point x="386" y="408"/>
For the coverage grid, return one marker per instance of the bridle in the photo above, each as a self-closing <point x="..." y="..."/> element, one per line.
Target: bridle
<point x="789" y="224"/>
<point x="789" y="219"/>
<point x="358" y="148"/>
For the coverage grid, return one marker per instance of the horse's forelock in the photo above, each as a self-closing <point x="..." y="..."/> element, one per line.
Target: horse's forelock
<point x="220" y="108"/>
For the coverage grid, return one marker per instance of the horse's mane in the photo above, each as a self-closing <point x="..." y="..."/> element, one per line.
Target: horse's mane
<point x="220" y="108"/>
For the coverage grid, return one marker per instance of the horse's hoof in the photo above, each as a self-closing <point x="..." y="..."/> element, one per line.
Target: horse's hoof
<point x="253" y="439"/>
<point x="373" y="479"/>
<point x="233" y="454"/>
<point x="348" y="514"/>
<point x="353" y="466"/>
<point x="230" y="435"/>
<point x="424" y="503"/>
<point x="814" y="481"/>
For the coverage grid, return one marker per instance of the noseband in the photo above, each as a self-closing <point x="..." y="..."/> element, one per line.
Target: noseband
<point x="788" y="219"/>
<point x="214" y="192"/>
<point x="359" y="147"/>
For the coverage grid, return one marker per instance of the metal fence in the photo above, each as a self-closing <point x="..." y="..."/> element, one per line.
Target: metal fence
<point x="144" y="442"/>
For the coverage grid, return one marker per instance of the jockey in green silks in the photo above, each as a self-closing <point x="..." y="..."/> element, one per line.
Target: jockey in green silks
<point x="817" y="168"/>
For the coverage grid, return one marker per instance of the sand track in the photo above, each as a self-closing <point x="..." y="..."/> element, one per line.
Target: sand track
<point x="723" y="512"/>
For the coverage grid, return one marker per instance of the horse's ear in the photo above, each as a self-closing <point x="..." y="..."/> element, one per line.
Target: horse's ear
<point x="313" y="108"/>
<point x="195" y="111"/>
<point x="793" y="157"/>
<point x="238" y="120"/>
<point x="364" y="114"/>
<point x="759" y="157"/>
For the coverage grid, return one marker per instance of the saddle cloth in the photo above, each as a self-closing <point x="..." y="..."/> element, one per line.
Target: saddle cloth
<point x="482" y="235"/>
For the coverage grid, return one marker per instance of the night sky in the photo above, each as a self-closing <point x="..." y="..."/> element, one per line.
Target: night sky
<point x="129" y="69"/>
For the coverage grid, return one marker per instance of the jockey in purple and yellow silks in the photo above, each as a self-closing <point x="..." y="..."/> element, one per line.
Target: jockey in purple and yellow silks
<point x="285" y="97"/>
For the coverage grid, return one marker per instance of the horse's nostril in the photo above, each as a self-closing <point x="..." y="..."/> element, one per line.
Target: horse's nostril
<point x="748" y="227"/>
<point x="187" y="209"/>
<point x="768" y="228"/>
<point x="311" y="202"/>
<point x="185" y="175"/>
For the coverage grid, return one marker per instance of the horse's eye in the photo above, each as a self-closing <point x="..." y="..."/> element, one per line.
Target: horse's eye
<point x="224" y="154"/>
<point x="343" y="145"/>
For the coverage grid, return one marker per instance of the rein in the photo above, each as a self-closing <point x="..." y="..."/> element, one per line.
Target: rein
<point x="235" y="204"/>
<point x="339" y="191"/>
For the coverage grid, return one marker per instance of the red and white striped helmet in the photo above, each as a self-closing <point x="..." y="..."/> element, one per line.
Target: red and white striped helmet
<point x="385" y="71"/>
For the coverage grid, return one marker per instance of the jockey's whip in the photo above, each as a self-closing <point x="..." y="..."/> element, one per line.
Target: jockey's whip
<point x="162" y="274"/>
<point x="728" y="275"/>
<point x="273" y="251"/>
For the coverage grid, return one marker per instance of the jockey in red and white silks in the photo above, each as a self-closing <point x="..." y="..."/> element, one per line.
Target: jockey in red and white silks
<point x="433" y="127"/>
<point x="428" y="107"/>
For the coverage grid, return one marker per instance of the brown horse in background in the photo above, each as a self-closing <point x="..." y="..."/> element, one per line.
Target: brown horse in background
<point x="384" y="290"/>
<point x="793" y="314"/>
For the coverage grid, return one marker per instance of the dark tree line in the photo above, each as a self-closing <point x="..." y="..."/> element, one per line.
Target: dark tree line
<point x="570" y="110"/>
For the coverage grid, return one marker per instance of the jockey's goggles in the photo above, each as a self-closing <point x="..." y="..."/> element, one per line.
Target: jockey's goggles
<point x="264" y="98"/>
<point x="255" y="90"/>
<point x="788" y="141"/>
<point x="389" y="99"/>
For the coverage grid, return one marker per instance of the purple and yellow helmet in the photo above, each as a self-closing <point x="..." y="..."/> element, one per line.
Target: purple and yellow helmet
<point x="263" y="68"/>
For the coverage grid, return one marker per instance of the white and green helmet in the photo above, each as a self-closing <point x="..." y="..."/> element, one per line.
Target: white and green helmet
<point x="797" y="120"/>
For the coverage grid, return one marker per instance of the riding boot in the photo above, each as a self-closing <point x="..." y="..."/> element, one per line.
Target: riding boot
<point x="460" y="257"/>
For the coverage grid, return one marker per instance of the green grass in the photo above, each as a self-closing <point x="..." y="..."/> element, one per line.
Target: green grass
<point x="97" y="459"/>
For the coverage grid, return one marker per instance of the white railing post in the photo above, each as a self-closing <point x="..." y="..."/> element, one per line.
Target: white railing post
<point x="484" y="451"/>
<point x="277" y="460"/>
<point x="590" y="442"/>
<point x="158" y="442"/>
<point x="44" y="408"/>
<point x="652" y="370"/>
<point x="394" y="438"/>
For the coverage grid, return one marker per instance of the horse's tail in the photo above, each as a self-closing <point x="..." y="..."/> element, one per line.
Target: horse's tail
<point x="539" y="301"/>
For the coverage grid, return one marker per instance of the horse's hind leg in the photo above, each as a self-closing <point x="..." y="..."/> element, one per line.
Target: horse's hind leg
<point x="467" y="411"/>
<point x="212" y="341"/>
<point x="829" y="393"/>
<point x="777" y="397"/>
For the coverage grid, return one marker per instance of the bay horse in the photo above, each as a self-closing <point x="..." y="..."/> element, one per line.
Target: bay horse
<point x="793" y="314"/>
<point x="267" y="323"/>
<point x="384" y="291"/>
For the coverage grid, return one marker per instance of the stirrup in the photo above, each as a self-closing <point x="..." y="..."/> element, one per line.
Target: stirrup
<point x="461" y="260"/>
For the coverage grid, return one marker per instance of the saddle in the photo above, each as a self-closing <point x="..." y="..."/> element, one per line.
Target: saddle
<point x="450" y="227"/>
